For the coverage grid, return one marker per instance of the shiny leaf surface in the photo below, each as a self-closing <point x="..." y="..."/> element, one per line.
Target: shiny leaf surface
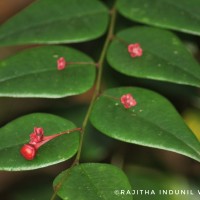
<point x="153" y="122"/>
<point x="180" y="15"/>
<point x="17" y="132"/>
<point x="34" y="73"/>
<point x="50" y="22"/>
<point x="164" y="56"/>
<point x="93" y="181"/>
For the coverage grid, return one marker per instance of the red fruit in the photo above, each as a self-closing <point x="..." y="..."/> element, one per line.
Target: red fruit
<point x="28" y="151"/>
<point x="128" y="101"/>
<point x="36" y="136"/>
<point x="37" y="139"/>
<point x="135" y="50"/>
<point x="61" y="63"/>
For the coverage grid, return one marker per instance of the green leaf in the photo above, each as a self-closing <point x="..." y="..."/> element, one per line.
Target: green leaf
<point x="17" y="132"/>
<point x="153" y="122"/>
<point x="180" y="15"/>
<point x="92" y="181"/>
<point x="164" y="56"/>
<point x="47" y="21"/>
<point x="33" y="73"/>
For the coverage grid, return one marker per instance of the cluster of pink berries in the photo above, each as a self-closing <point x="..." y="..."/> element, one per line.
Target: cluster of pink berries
<point x="128" y="101"/>
<point x="29" y="150"/>
<point x="134" y="50"/>
<point x="61" y="63"/>
<point x="37" y="139"/>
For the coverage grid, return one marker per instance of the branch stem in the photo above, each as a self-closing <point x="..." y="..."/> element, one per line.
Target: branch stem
<point x="98" y="80"/>
<point x="96" y="93"/>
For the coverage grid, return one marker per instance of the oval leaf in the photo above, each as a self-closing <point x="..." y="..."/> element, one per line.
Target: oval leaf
<point x="164" y="56"/>
<point x="64" y="21"/>
<point x="153" y="122"/>
<point x="16" y="133"/>
<point x="93" y="181"/>
<point x="34" y="73"/>
<point x="181" y="15"/>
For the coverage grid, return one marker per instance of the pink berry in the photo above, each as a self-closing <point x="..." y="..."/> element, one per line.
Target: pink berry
<point x="39" y="131"/>
<point x="36" y="136"/>
<point x="37" y="139"/>
<point x="128" y="101"/>
<point x="135" y="50"/>
<point x="28" y="151"/>
<point x="61" y="63"/>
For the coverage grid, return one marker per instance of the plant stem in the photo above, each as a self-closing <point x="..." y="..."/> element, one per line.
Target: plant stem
<point x="96" y="93"/>
<point x="82" y="63"/>
<point x="50" y="137"/>
<point x="98" y="80"/>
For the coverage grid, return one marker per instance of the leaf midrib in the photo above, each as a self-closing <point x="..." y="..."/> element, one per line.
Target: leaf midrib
<point x="91" y="182"/>
<point x="12" y="145"/>
<point x="30" y="73"/>
<point x="163" y="129"/>
<point x="179" y="6"/>
<point x="171" y="63"/>
<point x="26" y="74"/>
<point x="176" y="66"/>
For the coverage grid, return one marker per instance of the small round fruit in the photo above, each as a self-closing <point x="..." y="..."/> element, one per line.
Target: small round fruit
<point x="28" y="151"/>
